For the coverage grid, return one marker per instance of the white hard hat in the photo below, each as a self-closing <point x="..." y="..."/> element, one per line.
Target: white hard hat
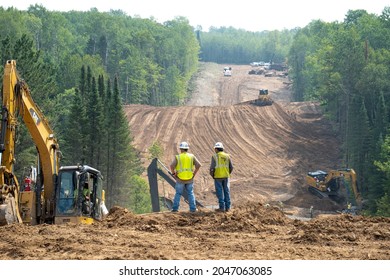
<point x="218" y="145"/>
<point x="184" y="145"/>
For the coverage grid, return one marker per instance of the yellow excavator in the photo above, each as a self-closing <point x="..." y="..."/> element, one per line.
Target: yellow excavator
<point x="59" y="194"/>
<point x="339" y="185"/>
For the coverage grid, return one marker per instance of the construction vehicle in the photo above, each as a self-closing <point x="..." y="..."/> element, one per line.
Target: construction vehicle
<point x="227" y="71"/>
<point x="263" y="99"/>
<point x="259" y="71"/>
<point x="339" y="185"/>
<point x="57" y="196"/>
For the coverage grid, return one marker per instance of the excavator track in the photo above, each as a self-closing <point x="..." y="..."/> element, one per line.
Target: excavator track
<point x="316" y="192"/>
<point x="331" y="195"/>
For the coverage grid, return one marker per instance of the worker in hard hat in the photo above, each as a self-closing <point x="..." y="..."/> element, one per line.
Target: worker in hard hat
<point x="220" y="169"/>
<point x="184" y="168"/>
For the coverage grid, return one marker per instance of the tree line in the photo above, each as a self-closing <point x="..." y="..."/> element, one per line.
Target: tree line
<point x="227" y="45"/>
<point x="153" y="62"/>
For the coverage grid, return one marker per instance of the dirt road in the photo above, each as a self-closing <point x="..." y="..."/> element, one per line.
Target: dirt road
<point x="272" y="148"/>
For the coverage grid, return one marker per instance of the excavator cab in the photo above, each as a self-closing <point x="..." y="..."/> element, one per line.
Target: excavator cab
<point x="79" y="195"/>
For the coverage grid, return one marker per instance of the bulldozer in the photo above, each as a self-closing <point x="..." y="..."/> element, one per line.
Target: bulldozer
<point x="263" y="99"/>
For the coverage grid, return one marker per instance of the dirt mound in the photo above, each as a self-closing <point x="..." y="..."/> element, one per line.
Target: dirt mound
<point x="251" y="231"/>
<point x="250" y="217"/>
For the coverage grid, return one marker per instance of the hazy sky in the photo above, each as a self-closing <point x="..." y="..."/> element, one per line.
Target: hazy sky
<point x="251" y="15"/>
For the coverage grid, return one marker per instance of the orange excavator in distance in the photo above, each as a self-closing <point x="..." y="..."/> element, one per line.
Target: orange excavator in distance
<point x="58" y="196"/>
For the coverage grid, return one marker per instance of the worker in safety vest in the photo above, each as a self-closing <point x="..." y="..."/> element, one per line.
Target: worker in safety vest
<point x="220" y="169"/>
<point x="184" y="168"/>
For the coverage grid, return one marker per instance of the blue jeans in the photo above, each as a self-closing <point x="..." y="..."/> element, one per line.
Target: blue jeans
<point x="179" y="187"/>
<point x="222" y="189"/>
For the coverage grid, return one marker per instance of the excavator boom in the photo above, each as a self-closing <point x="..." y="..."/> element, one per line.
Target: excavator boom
<point x="43" y="202"/>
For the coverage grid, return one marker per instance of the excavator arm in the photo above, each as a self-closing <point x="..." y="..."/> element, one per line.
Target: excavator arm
<point x="350" y="176"/>
<point x="42" y="135"/>
<point x="9" y="186"/>
<point x="17" y="101"/>
<point x="57" y="196"/>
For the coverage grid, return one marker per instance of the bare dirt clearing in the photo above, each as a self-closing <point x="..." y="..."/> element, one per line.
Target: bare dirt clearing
<point x="250" y="232"/>
<point x="272" y="147"/>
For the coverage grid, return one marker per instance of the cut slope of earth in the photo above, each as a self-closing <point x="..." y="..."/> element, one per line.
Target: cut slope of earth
<point x="272" y="147"/>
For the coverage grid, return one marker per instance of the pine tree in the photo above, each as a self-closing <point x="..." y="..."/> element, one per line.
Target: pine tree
<point x="94" y="126"/>
<point x="72" y="147"/>
<point x="107" y="152"/>
<point x="101" y="156"/>
<point x="123" y="161"/>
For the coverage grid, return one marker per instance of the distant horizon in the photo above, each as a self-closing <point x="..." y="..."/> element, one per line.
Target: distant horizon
<point x="249" y="15"/>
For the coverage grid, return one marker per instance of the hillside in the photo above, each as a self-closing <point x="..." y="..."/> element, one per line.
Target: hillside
<point x="272" y="148"/>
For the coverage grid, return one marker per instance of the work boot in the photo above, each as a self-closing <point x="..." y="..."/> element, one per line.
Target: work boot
<point x="219" y="210"/>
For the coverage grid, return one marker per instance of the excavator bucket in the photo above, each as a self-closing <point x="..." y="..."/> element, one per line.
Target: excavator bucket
<point x="8" y="211"/>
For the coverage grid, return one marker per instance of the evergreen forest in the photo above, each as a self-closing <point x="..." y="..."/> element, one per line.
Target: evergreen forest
<point x="83" y="66"/>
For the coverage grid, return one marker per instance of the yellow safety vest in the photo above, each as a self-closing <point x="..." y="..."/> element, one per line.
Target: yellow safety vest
<point x="185" y="166"/>
<point x="221" y="165"/>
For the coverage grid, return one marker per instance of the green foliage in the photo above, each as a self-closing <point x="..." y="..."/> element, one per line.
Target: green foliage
<point x="122" y="159"/>
<point x="73" y="144"/>
<point x="68" y="71"/>
<point x="99" y="135"/>
<point x="156" y="150"/>
<point x="384" y="163"/>
<point x="381" y="194"/>
<point x="237" y="46"/>
<point x="38" y="76"/>
<point x="383" y="205"/>
<point x="140" y="52"/>
<point x="139" y="200"/>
